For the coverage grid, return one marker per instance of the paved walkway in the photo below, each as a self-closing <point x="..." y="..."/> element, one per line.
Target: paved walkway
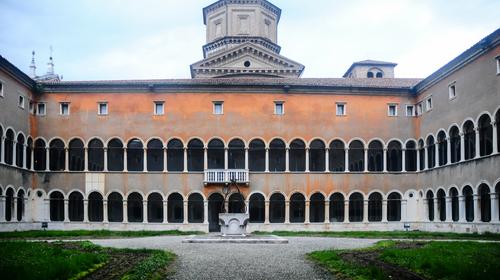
<point x="242" y="261"/>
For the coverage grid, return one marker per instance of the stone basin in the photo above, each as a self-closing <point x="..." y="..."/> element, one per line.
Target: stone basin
<point x="233" y="224"/>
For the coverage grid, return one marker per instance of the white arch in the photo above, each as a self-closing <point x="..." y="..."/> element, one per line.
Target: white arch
<point x="466" y="120"/>
<point x="116" y="191"/>
<point x="214" y="192"/>
<point x="446" y="135"/>
<point x="184" y="144"/>
<point x="409" y="140"/>
<point x="154" y="191"/>
<point x="146" y="143"/>
<point x="482" y="114"/>
<point x="77" y="191"/>
<point x="134" y="191"/>
<point x="95" y="137"/>
<point x="297" y="191"/>
<point x="296" y="138"/>
<point x="57" y="190"/>
<point x="258" y="192"/>
<point x="427" y="137"/>
<point x="279" y="138"/>
<point x="337" y="191"/>
<point x="308" y="144"/>
<point x="21" y="188"/>
<point x="317" y="191"/>
<point x="216" y="138"/>
<point x="395" y="140"/>
<point x="357" y="191"/>
<point x="112" y="138"/>
<point x="94" y="191"/>
<point x="429" y="190"/>
<point x="238" y="138"/>
<point x="452" y="125"/>
<point x="467" y="184"/>
<point x="58" y="138"/>
<point x="497" y="111"/>
<point x="197" y="138"/>
<point x="376" y="139"/>
<point x="441" y="188"/>
<point x="278" y="191"/>
<point x="175" y="191"/>
<point x="375" y="191"/>
<point x="451" y="187"/>
<point x="196" y="192"/>
<point x="357" y="139"/>
<point x="20" y="133"/>
<point x="401" y="195"/>
<point x="337" y="138"/>
<point x="480" y="183"/>
<point x="132" y="138"/>
<point x="247" y="145"/>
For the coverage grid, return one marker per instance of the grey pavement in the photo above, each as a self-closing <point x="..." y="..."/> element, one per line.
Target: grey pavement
<point x="242" y="261"/>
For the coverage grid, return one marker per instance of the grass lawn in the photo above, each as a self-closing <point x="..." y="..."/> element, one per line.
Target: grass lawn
<point x="90" y="233"/>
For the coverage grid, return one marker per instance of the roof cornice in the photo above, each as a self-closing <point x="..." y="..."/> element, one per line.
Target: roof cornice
<point x="223" y="3"/>
<point x="18" y="75"/>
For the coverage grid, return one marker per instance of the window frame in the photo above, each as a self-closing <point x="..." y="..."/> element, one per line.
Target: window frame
<point x="413" y="110"/>
<point x="44" y="105"/>
<point x="395" y="105"/>
<point x="21" y="100"/>
<point x="61" y="105"/>
<point x="452" y="90"/>
<point x="99" y="111"/>
<point x="278" y="104"/>
<point x="342" y="105"/>
<point x="497" y="59"/>
<point x="217" y="103"/>
<point x="31" y="106"/>
<point x="429" y="103"/>
<point x="155" y="109"/>
<point x="419" y="109"/>
<point x="2" y="87"/>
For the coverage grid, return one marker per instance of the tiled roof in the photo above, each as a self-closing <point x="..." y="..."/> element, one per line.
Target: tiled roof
<point x="314" y="82"/>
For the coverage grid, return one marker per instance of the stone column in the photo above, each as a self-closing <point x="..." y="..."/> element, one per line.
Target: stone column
<point x="105" y="211"/>
<point x="476" y="130"/>
<point x="327" y="161"/>
<point x="308" y="203"/>
<point x="185" y="204"/>
<point x="426" y="160"/>
<point x="267" y="160"/>
<point x="145" y="161"/>
<point x="86" y="163"/>
<point x="384" y="211"/>
<point x="14" y="153"/>
<point x="125" y="161"/>
<point x="66" y="159"/>
<point x="226" y="163"/>
<point x="287" y="159"/>
<point x="185" y="160"/>
<point x="205" y="212"/>
<point x="449" y="217"/>
<point x="425" y="210"/>
<point x="365" y="211"/>
<point x="494" y="207"/>
<point x="165" y="211"/>
<point x="477" y="209"/>
<point x="32" y="163"/>
<point x="436" y="154"/>
<point x="384" y="163"/>
<point x="2" y="208"/>
<point x="105" y="159"/>
<point x="47" y="209"/>
<point x="461" y="209"/>
<point x="14" y="213"/>
<point x="66" y="211"/>
<point x="2" y="149"/>
<point x="436" y="212"/>
<point x="246" y="158"/>
<point x="418" y="160"/>
<point x="24" y="155"/>
<point x="462" y="146"/>
<point x="366" y="160"/>
<point x="307" y="159"/>
<point x="125" y="212"/>
<point x="165" y="160"/>
<point x="47" y="159"/>
<point x="267" y="212"/>
<point x="495" y="137"/>
<point x="403" y="160"/>
<point x="85" y="210"/>
<point x="346" y="211"/>
<point x="448" y="151"/>
<point x="404" y="204"/>
<point x="287" y="211"/>
<point x="145" y="211"/>
<point x="346" y="160"/>
<point x="327" y="211"/>
<point x="205" y="158"/>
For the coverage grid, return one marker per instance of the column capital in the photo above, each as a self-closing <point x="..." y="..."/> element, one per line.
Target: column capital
<point x="3" y="137"/>
<point x="494" y="123"/>
<point x="476" y="129"/>
<point x="385" y="149"/>
<point x="105" y="149"/>
<point x="461" y="134"/>
<point x="447" y="138"/>
<point x="346" y="149"/>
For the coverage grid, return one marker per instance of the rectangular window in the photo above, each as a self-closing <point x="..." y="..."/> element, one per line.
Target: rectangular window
<point x="279" y="107"/>
<point x="341" y="108"/>
<point x="41" y="109"/>
<point x="31" y="107"/>
<point x="419" y="109"/>
<point x="102" y="108"/>
<point x="452" y="90"/>
<point x="21" y="101"/>
<point x="498" y="64"/>
<point x="410" y="110"/>
<point x="429" y="104"/>
<point x="393" y="110"/>
<point x="64" y="108"/>
<point x="159" y="108"/>
<point x="2" y="86"/>
<point x="218" y="108"/>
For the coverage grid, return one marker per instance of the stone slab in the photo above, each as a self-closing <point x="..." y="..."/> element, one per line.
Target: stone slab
<point x="249" y="239"/>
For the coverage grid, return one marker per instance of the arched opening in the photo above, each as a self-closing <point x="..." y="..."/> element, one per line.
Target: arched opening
<point x="9" y="204"/>
<point x="394" y="157"/>
<point x="441" y="201"/>
<point x="375" y="156"/>
<point x="411" y="156"/>
<point x="215" y="202"/>
<point x="317" y="208"/>
<point x="336" y="155"/>
<point x="155" y="155"/>
<point x="337" y="207"/>
<point x="431" y="152"/>
<point x="195" y="155"/>
<point x="56" y="206"/>
<point x="20" y="151"/>
<point x="356" y="207"/>
<point x="29" y="151"/>
<point x="9" y="147"/>
<point x="20" y="205"/>
<point x="115" y="207"/>
<point x="430" y="205"/>
<point x="236" y="203"/>
<point x="257" y="208"/>
<point x="175" y="208"/>
<point x="394" y="207"/>
<point x="75" y="207"/>
<point x="95" y="207"/>
<point x="277" y="156"/>
<point x="297" y="208"/>
<point x="215" y="154"/>
<point x="443" y="148"/>
<point x="455" y="144"/>
<point x="317" y="156"/>
<point x="485" y="136"/>
<point x="155" y="208"/>
<point x="76" y="155"/>
<point x="455" y="214"/>
<point x="175" y="154"/>
<point x="96" y="155"/>
<point x="469" y="203"/>
<point x="356" y="156"/>
<point x="297" y="155"/>
<point x="375" y="207"/>
<point x="135" y="155"/>
<point x="40" y="155"/>
<point x="277" y="208"/>
<point x="421" y="154"/>
<point x="195" y="208"/>
<point x="369" y="75"/>
<point x="57" y="155"/>
<point x="115" y="155"/>
<point x="236" y="154"/>
<point x="379" y="75"/>
<point x="469" y="140"/>
<point x="134" y="208"/>
<point x="485" y="202"/>
<point x="257" y="155"/>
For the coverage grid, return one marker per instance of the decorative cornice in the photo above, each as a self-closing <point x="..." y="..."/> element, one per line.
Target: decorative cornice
<point x="230" y="42"/>
<point x="223" y="3"/>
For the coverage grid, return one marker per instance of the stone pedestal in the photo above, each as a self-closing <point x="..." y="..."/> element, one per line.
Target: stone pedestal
<point x="233" y="224"/>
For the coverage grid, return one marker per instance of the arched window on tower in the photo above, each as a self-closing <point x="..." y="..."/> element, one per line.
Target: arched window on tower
<point x="356" y="156"/>
<point x="369" y="75"/>
<point x="96" y="155"/>
<point x="175" y="155"/>
<point x="257" y="208"/>
<point x="135" y="155"/>
<point x="394" y="156"/>
<point x="297" y="156"/>
<point x="485" y="136"/>
<point x="257" y="155"/>
<point x="375" y="156"/>
<point x="277" y="156"/>
<point x="455" y="144"/>
<point x="379" y="75"/>
<point x="76" y="155"/>
<point x="115" y="155"/>
<point x="469" y="140"/>
<point x="443" y="148"/>
<point x="317" y="156"/>
<point x="155" y="155"/>
<point x="195" y="155"/>
<point x="336" y="155"/>
<point x="337" y="207"/>
<point x="57" y="155"/>
<point x="236" y="154"/>
<point x="20" y="151"/>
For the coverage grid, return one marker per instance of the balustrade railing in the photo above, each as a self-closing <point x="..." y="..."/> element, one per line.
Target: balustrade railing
<point x="226" y="175"/>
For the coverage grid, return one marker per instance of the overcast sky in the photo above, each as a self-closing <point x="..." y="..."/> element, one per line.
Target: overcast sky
<point x="159" y="39"/>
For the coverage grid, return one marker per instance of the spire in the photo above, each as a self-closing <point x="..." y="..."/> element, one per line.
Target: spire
<point x="50" y="68"/>
<point x="32" y="66"/>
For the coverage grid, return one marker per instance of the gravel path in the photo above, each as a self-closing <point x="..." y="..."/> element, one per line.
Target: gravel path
<point x="242" y="261"/>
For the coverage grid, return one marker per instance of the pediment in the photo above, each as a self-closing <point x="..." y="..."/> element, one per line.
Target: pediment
<point x="246" y="58"/>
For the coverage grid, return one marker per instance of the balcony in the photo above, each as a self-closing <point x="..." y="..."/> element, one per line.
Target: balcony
<point x="225" y="176"/>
